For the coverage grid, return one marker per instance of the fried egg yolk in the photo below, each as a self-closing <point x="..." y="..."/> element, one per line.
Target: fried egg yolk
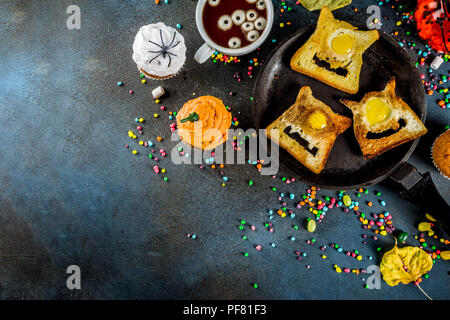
<point x="342" y="44"/>
<point x="377" y="111"/>
<point x="317" y="120"/>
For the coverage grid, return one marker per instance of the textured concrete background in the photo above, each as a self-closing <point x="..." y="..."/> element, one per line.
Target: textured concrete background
<point x="70" y="193"/>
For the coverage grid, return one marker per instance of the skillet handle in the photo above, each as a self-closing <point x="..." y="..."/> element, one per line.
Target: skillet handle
<point x="421" y="190"/>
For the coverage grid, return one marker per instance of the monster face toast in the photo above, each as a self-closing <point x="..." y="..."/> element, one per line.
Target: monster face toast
<point x="308" y="130"/>
<point x="333" y="53"/>
<point x="382" y="121"/>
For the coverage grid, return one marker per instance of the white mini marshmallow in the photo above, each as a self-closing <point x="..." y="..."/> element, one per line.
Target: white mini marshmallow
<point x="238" y="17"/>
<point x="158" y="92"/>
<point x="252" y="36"/>
<point x="251" y="15"/>
<point x="251" y="1"/>
<point x="234" y="43"/>
<point x="247" y="26"/>
<point x="436" y="62"/>
<point x="213" y="3"/>
<point x="225" y="23"/>
<point x="260" y="23"/>
<point x="261" y="5"/>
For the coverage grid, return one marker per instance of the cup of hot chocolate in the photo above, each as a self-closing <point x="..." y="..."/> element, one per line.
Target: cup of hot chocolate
<point x="232" y="27"/>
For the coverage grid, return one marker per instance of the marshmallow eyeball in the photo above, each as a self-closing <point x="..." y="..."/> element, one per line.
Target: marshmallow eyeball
<point x="247" y="26"/>
<point x="238" y="17"/>
<point x="260" y="23"/>
<point x="213" y="3"/>
<point x="252" y="36"/>
<point x="251" y="1"/>
<point x="251" y="15"/>
<point x="234" y="43"/>
<point x="225" y="23"/>
<point x="261" y="5"/>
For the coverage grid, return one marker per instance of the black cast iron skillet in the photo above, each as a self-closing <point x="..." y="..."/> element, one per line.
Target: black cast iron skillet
<point x="277" y="86"/>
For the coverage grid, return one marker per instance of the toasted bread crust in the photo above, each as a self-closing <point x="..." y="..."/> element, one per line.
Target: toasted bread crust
<point x="322" y="77"/>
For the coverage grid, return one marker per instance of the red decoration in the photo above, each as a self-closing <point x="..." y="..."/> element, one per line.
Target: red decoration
<point x="432" y="21"/>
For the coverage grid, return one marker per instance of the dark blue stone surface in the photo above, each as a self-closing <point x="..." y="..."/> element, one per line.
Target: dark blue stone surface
<point x="70" y="193"/>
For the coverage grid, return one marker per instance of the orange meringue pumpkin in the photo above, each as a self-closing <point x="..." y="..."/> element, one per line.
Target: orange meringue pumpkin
<point x="204" y="122"/>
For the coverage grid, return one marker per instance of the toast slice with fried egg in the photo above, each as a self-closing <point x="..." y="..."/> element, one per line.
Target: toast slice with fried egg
<point x="333" y="53"/>
<point x="308" y="130"/>
<point x="382" y="121"/>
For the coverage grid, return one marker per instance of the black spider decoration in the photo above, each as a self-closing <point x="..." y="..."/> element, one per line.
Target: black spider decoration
<point x="164" y="48"/>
